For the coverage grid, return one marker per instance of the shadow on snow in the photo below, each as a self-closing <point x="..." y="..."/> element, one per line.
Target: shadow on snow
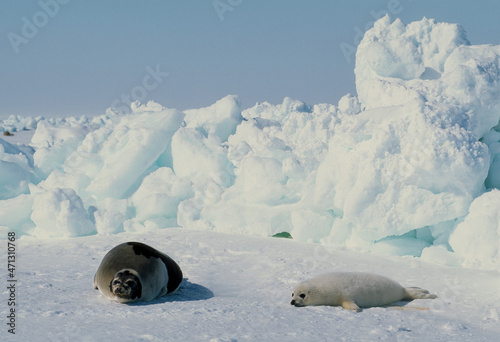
<point x="186" y="292"/>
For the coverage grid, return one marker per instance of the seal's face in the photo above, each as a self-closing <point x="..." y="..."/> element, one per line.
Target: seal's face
<point x="299" y="298"/>
<point x="126" y="286"/>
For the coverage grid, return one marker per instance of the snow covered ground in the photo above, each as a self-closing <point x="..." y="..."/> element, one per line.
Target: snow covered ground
<point x="20" y="138"/>
<point x="238" y="288"/>
<point x="402" y="180"/>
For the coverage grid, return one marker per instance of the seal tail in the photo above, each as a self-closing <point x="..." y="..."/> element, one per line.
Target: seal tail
<point x="417" y="293"/>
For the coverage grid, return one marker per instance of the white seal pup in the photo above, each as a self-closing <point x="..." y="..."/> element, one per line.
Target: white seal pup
<point x="133" y="272"/>
<point x="353" y="290"/>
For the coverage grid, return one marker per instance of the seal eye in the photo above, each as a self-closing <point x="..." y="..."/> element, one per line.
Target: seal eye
<point x="116" y="282"/>
<point x="302" y="295"/>
<point x="293" y="294"/>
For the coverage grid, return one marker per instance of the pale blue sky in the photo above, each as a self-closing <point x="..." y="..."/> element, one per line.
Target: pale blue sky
<point x="85" y="56"/>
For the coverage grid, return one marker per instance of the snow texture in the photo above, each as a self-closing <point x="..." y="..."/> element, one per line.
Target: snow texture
<point x="411" y="166"/>
<point x="238" y="288"/>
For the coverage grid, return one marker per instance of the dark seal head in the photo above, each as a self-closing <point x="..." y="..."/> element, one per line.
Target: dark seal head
<point x="126" y="285"/>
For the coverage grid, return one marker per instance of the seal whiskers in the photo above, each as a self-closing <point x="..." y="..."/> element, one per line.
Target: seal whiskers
<point x="133" y="271"/>
<point x="354" y="290"/>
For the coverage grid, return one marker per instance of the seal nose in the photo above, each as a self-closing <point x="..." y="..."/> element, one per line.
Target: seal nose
<point x="292" y="302"/>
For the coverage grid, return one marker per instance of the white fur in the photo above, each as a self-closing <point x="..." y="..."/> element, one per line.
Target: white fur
<point x="353" y="290"/>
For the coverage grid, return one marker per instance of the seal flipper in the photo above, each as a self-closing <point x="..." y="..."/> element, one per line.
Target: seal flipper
<point x="350" y="305"/>
<point x="417" y="293"/>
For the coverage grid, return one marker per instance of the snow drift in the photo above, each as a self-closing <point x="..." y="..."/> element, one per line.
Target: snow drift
<point x="409" y="167"/>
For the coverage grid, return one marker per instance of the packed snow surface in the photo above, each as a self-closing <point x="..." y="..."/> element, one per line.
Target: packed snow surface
<point x="238" y="288"/>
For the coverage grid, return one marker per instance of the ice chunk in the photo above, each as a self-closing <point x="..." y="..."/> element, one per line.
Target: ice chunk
<point x="391" y="171"/>
<point x="260" y="198"/>
<point x="349" y="104"/>
<point x="238" y="217"/>
<point x="59" y="213"/>
<point x="135" y="143"/>
<point x="401" y="245"/>
<point x="219" y="119"/>
<point x="151" y="106"/>
<point x="260" y="180"/>
<point x="48" y="135"/>
<point x="392" y="57"/>
<point x="109" y="215"/>
<point x="54" y="144"/>
<point x="15" y="214"/>
<point x="477" y="239"/>
<point x="492" y="139"/>
<point x="413" y="157"/>
<point x="440" y="254"/>
<point x="279" y="112"/>
<point x="160" y="194"/>
<point x="15" y="170"/>
<point x="309" y="225"/>
<point x="200" y="158"/>
<point x="396" y="64"/>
